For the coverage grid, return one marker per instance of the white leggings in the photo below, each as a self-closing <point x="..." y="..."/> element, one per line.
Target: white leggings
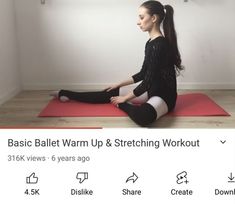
<point x="157" y="102"/>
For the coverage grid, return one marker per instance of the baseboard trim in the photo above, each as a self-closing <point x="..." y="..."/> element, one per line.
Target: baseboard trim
<point x="100" y="86"/>
<point x="10" y="94"/>
<point x="64" y="86"/>
<point x="207" y="86"/>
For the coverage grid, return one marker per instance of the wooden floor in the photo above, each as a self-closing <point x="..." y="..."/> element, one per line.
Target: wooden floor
<point x="22" y="111"/>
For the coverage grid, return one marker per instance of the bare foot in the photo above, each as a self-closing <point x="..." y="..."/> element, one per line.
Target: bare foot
<point x="64" y="99"/>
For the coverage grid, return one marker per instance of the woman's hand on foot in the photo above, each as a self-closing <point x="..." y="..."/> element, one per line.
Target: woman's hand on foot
<point x="115" y="100"/>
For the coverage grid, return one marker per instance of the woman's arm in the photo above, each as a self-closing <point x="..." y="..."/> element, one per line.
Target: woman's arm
<point x="157" y="53"/>
<point x="121" y="99"/>
<point x="123" y="83"/>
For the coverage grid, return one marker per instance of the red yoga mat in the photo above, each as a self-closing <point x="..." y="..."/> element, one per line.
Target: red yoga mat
<point x="197" y="104"/>
<point x="194" y="104"/>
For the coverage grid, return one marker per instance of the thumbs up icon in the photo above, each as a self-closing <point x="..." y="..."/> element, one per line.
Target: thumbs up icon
<point x="32" y="179"/>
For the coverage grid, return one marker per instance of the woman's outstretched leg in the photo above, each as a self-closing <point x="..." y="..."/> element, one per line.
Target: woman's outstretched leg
<point x="89" y="97"/>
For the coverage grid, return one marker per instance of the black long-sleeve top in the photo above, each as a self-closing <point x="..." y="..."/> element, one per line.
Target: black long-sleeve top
<point x="158" y="72"/>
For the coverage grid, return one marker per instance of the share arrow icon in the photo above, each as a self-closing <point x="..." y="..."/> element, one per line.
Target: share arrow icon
<point x="132" y="178"/>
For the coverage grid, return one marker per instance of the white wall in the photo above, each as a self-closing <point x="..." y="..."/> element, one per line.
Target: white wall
<point x="82" y="43"/>
<point x="9" y="73"/>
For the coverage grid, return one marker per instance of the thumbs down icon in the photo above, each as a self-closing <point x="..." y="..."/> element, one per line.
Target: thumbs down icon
<point x="82" y="176"/>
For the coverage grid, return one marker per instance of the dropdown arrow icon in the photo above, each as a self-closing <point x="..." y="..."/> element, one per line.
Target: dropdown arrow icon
<point x="223" y="141"/>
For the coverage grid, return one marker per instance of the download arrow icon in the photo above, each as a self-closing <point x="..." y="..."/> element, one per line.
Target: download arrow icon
<point x="231" y="178"/>
<point x="132" y="178"/>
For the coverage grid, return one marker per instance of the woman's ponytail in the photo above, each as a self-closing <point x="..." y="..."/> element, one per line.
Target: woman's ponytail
<point x="170" y="35"/>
